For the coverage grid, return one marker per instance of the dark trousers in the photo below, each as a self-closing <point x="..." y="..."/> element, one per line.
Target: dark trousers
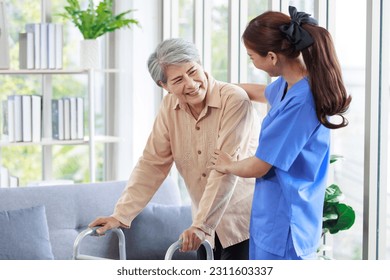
<point x="239" y="251"/>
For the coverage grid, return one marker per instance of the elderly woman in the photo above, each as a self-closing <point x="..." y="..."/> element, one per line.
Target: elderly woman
<point x="198" y="115"/>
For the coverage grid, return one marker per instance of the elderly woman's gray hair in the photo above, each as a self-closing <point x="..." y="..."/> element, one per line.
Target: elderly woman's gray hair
<point x="171" y="52"/>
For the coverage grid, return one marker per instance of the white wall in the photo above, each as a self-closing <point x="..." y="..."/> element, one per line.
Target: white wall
<point x="139" y="97"/>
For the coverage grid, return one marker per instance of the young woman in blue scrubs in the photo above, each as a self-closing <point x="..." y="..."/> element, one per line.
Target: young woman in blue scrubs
<point x="292" y="159"/>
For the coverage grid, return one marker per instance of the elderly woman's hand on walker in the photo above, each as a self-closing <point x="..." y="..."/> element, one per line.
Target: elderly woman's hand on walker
<point x="192" y="238"/>
<point x="105" y="223"/>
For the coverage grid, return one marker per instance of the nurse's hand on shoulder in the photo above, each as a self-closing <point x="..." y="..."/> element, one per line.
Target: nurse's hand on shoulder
<point x="220" y="161"/>
<point x="192" y="239"/>
<point x="106" y="223"/>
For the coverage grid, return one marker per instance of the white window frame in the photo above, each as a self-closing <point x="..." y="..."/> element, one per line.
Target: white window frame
<point x="376" y="130"/>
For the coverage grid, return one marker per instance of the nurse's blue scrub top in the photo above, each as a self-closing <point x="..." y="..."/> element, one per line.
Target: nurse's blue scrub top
<point x="291" y="195"/>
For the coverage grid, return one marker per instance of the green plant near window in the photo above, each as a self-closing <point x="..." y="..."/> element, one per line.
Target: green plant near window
<point x="98" y="20"/>
<point x="337" y="216"/>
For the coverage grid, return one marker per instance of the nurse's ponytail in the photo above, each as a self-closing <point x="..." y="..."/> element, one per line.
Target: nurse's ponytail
<point x="325" y="77"/>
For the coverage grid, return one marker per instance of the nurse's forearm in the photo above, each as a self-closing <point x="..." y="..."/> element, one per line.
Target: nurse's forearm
<point x="251" y="167"/>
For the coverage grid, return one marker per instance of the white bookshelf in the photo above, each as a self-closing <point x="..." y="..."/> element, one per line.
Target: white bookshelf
<point x="54" y="72"/>
<point x="91" y="139"/>
<point x="53" y="142"/>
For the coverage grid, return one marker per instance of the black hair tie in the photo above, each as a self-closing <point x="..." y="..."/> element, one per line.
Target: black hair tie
<point x="294" y="32"/>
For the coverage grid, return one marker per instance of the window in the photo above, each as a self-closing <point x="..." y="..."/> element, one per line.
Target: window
<point x="388" y="166"/>
<point x="301" y="5"/>
<point x="186" y="19"/>
<point x="351" y="142"/>
<point x="219" y="39"/>
<point x="386" y="90"/>
<point x="254" y="75"/>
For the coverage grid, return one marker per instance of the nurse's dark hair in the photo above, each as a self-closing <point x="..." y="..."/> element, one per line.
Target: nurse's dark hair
<point x="263" y="34"/>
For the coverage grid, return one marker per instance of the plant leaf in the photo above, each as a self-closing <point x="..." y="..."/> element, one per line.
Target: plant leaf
<point x="346" y="218"/>
<point x="334" y="158"/>
<point x="333" y="194"/>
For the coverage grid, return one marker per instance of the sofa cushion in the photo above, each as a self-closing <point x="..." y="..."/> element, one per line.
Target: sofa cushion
<point x="168" y="193"/>
<point x="24" y="234"/>
<point x="155" y="229"/>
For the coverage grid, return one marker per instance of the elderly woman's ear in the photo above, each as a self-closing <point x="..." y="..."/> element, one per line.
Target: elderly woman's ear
<point x="164" y="86"/>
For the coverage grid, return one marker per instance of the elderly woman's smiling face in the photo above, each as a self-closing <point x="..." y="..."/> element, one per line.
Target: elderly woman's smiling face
<point x="188" y="82"/>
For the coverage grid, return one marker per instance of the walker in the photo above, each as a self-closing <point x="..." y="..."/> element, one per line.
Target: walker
<point x="92" y="232"/>
<point x="122" y="246"/>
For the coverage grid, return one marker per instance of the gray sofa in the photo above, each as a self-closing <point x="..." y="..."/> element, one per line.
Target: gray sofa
<point x="43" y="222"/>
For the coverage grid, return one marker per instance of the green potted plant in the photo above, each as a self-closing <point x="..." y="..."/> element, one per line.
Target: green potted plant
<point x="94" y="22"/>
<point x="337" y="216"/>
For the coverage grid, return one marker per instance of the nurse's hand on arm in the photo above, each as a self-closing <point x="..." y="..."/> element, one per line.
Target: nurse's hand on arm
<point x="255" y="92"/>
<point x="192" y="239"/>
<point x="106" y="223"/>
<point x="251" y="167"/>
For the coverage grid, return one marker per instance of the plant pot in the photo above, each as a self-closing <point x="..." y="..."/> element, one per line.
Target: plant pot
<point x="90" y="54"/>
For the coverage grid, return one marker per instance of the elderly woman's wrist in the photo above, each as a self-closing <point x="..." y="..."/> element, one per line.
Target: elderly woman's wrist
<point x="207" y="230"/>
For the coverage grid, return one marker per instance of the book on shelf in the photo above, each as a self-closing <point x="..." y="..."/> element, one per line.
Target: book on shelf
<point x="4" y="43"/>
<point x="47" y="45"/>
<point x="58" y="45"/>
<point x="57" y="107"/>
<point x="80" y="117"/>
<point x="22" y="118"/>
<point x="26" y="118"/>
<point x="66" y="118"/>
<point x="44" y="45"/>
<point x="18" y="118"/>
<point x="13" y="181"/>
<point x="4" y="177"/>
<point x="4" y="113"/>
<point x="35" y="29"/>
<point x="73" y="118"/>
<point x="51" y="46"/>
<point x="36" y="117"/>
<point x="10" y="125"/>
<point x="26" y="50"/>
<point x="7" y="180"/>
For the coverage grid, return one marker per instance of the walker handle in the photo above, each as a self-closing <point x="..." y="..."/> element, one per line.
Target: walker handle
<point x="177" y="245"/>
<point x="92" y="232"/>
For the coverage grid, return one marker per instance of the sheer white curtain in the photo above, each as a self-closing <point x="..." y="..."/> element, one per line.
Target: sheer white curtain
<point x="137" y="97"/>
